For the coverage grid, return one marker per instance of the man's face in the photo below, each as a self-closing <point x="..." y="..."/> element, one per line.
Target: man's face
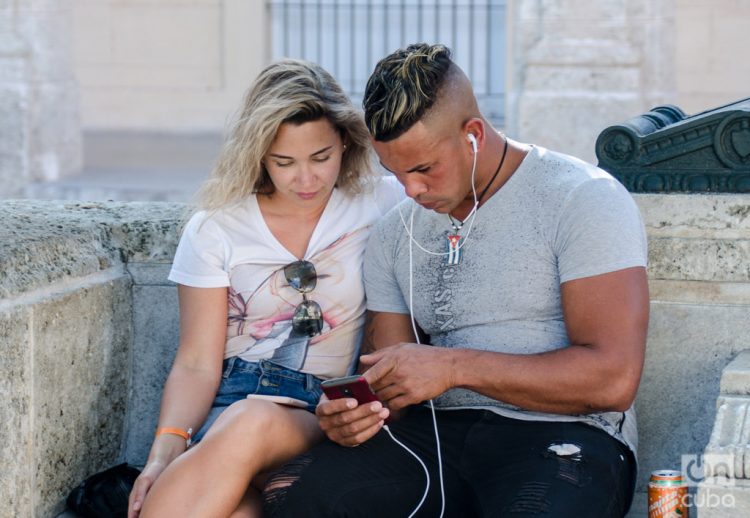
<point x="434" y="169"/>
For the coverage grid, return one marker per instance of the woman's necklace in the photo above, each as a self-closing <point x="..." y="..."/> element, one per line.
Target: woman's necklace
<point x="455" y="241"/>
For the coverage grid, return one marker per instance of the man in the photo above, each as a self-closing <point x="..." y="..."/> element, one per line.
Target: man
<point x="525" y="272"/>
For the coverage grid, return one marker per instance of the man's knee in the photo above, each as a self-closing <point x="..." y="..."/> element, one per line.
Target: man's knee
<point x="305" y="486"/>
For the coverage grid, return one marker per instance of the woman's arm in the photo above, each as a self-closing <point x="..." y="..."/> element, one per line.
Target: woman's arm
<point x="193" y="381"/>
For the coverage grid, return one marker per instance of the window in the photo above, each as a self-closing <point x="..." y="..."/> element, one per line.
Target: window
<point x="347" y="37"/>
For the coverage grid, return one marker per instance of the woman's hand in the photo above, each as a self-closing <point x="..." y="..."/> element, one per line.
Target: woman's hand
<point x="142" y="484"/>
<point x="347" y="423"/>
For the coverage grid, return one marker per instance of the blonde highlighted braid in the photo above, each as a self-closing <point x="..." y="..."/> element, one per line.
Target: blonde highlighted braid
<point x="403" y="87"/>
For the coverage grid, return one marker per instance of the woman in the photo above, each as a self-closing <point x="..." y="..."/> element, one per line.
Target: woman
<point x="271" y="295"/>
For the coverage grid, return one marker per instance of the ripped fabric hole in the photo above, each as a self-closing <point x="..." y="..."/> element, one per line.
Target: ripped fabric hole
<point x="280" y="481"/>
<point x="570" y="463"/>
<point x="531" y="499"/>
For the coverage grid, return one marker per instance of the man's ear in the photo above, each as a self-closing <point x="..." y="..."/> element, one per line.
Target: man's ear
<point x="474" y="131"/>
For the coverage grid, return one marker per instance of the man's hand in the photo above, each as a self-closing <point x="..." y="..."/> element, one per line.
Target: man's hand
<point x="407" y="373"/>
<point x="348" y="423"/>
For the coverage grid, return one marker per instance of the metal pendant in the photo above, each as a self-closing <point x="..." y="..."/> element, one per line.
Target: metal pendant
<point x="453" y="257"/>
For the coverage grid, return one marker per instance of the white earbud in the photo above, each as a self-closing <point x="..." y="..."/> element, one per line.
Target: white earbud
<point x="471" y="138"/>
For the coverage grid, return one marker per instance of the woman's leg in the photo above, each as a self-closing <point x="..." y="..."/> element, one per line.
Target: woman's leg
<point x="250" y="506"/>
<point x="211" y="478"/>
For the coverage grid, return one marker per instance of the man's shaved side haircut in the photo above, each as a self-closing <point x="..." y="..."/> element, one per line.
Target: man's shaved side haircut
<point x="403" y="87"/>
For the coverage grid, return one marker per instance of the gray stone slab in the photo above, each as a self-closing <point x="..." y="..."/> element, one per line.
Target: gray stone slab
<point x="699" y="259"/>
<point x="688" y="346"/>
<point x="689" y="215"/>
<point x="16" y="390"/>
<point x="150" y="274"/>
<point x="717" y="501"/>
<point x="82" y="354"/>
<point x="45" y="242"/>
<point x="736" y="376"/>
<point x="156" y="328"/>
<point x="14" y="170"/>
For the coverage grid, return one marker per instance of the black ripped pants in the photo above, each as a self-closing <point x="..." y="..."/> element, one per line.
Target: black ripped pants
<point x="492" y="466"/>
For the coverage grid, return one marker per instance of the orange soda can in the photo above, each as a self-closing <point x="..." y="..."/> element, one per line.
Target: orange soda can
<point x="667" y="495"/>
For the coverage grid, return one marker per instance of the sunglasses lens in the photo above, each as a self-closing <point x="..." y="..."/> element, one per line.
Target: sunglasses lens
<point x="301" y="276"/>
<point x="308" y="318"/>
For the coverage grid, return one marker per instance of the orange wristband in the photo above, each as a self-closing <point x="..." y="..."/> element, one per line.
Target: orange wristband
<point x="187" y="435"/>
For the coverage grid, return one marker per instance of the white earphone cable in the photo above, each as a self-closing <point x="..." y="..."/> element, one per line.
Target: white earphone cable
<point x="412" y="241"/>
<point x="472" y="214"/>
<point x="432" y="406"/>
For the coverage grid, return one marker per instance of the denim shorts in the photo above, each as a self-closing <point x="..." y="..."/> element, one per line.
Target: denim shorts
<point x="240" y="378"/>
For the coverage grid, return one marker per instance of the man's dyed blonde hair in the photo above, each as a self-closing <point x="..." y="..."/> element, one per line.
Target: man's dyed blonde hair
<point x="403" y="87"/>
<point x="291" y="91"/>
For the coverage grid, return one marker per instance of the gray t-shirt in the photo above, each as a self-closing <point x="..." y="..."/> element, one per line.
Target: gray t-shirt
<point x="556" y="219"/>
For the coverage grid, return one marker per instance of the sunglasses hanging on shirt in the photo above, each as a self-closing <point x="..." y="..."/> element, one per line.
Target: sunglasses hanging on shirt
<point x="308" y="316"/>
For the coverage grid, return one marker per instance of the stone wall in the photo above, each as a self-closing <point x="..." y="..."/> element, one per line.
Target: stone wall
<point x="163" y="66"/>
<point x="699" y="281"/>
<point x="78" y="308"/>
<point x="40" y="138"/>
<point x="578" y="67"/>
<point x="89" y="326"/>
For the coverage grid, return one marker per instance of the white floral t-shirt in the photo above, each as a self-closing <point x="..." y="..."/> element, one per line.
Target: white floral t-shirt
<point x="234" y="248"/>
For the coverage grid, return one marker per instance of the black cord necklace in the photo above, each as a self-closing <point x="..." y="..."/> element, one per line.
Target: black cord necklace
<point x="459" y="225"/>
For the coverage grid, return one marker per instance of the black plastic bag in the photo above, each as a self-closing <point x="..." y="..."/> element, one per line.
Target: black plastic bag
<point x="104" y="494"/>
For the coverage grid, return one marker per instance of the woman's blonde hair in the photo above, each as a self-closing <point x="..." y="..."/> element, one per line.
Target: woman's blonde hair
<point x="292" y="91"/>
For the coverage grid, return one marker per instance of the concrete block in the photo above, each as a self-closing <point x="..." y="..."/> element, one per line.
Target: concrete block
<point x="719" y="260"/>
<point x="81" y="369"/>
<point x="543" y="113"/>
<point x="15" y="412"/>
<point x="14" y="67"/>
<point x="724" y="216"/>
<point x="688" y="346"/>
<point x="156" y="328"/>
<point x="39" y="251"/>
<point x="723" y="501"/>
<point x="155" y="78"/>
<point x="735" y="378"/>
<point x="48" y="34"/>
<point x="150" y="274"/>
<point x="14" y="136"/>
<point x="555" y="48"/>
<point x="44" y="242"/>
<point x="726" y="455"/>
<point x="623" y="79"/>
<point x="55" y="146"/>
<point x="92" y="37"/>
<point x="699" y="292"/>
<point x="187" y="35"/>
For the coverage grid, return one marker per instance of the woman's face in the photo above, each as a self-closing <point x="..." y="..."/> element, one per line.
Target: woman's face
<point x="304" y="161"/>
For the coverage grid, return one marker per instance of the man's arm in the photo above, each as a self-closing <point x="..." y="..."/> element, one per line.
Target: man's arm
<point x="606" y="317"/>
<point x="386" y="329"/>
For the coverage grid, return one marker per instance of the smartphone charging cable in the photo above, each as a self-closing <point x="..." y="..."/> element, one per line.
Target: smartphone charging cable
<point x="421" y="462"/>
<point x="432" y="406"/>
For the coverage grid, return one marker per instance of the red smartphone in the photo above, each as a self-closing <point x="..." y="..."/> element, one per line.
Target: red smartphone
<point x="349" y="386"/>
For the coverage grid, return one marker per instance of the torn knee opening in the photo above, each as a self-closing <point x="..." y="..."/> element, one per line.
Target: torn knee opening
<point x="277" y="487"/>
